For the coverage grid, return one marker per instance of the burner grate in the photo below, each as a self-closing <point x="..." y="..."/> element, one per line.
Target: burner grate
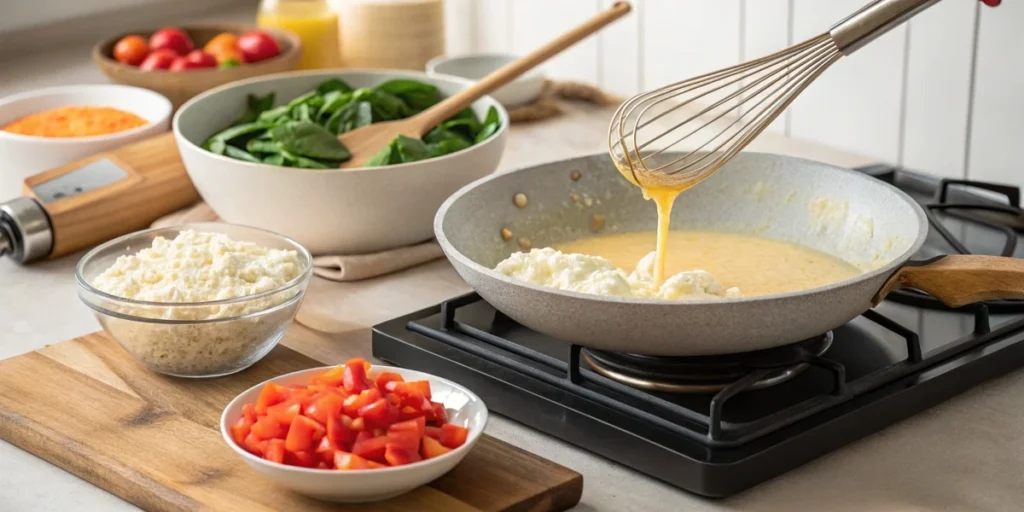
<point x="1005" y="219"/>
<point x="709" y="428"/>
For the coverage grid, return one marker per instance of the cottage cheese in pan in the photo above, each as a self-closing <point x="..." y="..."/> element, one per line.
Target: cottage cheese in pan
<point x="598" y="276"/>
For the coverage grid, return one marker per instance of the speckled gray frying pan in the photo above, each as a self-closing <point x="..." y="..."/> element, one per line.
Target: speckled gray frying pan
<point x="860" y="219"/>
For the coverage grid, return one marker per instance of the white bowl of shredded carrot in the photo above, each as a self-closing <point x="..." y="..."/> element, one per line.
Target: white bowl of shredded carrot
<point x="50" y="127"/>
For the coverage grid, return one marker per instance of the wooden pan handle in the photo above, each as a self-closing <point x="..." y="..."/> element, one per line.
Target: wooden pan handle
<point x="961" y="280"/>
<point x="447" y="108"/>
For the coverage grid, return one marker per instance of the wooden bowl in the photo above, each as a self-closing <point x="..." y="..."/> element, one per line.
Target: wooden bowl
<point x="180" y="86"/>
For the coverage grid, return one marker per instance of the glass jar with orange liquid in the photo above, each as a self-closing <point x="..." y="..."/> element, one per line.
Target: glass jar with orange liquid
<point x="314" y="21"/>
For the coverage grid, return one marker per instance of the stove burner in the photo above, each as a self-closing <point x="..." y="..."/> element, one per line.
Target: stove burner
<point x="706" y="374"/>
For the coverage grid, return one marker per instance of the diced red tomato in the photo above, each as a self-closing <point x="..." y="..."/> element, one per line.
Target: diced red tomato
<point x="352" y="404"/>
<point x="382" y="380"/>
<point x="268" y="428"/>
<point x="396" y="455"/>
<point x="422" y="386"/>
<point x="354" y="377"/>
<point x="338" y="434"/>
<point x="432" y="432"/>
<point x="332" y="377"/>
<point x="303" y="434"/>
<point x="433" y="448"/>
<point x="326" y="449"/>
<point x="372" y="448"/>
<point x="240" y="430"/>
<point x="453" y="436"/>
<point x="417" y="426"/>
<point x="272" y="394"/>
<point x="284" y="412"/>
<point x="405" y="438"/>
<point x="375" y="413"/>
<point x="249" y="411"/>
<point x="303" y="459"/>
<point x="342" y="420"/>
<point x="440" y="414"/>
<point x="275" y="451"/>
<point x="363" y="436"/>
<point x="327" y="406"/>
<point x="254" y="445"/>
<point x="344" y="460"/>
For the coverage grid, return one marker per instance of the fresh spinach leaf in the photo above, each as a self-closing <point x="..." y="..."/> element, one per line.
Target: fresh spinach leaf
<point x="418" y="96"/>
<point x="333" y="101"/>
<point x="255" y="105"/>
<point x="303" y="162"/>
<point x="492" y="117"/>
<point x="243" y="129"/>
<point x="488" y="130"/>
<point x="468" y="127"/>
<point x="387" y="156"/>
<point x="438" y="134"/>
<point x="302" y="99"/>
<point x="311" y="140"/>
<point x="387" y="106"/>
<point x="364" y="114"/>
<point x="275" y="114"/>
<point x="332" y="85"/>
<point x="263" y="146"/>
<point x="215" y="145"/>
<point x="274" y="160"/>
<point x="302" y="113"/>
<point x="447" y="146"/>
<point x="411" y="149"/>
<point x="240" y="154"/>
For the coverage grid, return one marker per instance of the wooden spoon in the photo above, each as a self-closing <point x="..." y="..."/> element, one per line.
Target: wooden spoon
<point x="367" y="141"/>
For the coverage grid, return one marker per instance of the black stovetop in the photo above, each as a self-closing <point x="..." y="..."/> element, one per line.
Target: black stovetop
<point x="906" y="355"/>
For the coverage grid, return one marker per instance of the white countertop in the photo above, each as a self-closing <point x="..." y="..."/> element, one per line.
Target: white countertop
<point x="966" y="454"/>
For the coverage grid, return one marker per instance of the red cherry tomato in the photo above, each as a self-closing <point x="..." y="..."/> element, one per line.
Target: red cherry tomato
<point x="131" y="50"/>
<point x="158" y="60"/>
<point x="171" y="38"/>
<point x="257" y="45"/>
<point x="201" y="59"/>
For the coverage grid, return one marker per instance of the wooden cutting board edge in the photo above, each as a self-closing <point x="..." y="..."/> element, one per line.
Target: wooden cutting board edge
<point x="110" y="474"/>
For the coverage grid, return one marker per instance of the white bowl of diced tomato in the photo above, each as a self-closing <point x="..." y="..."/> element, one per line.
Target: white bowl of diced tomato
<point x="354" y="432"/>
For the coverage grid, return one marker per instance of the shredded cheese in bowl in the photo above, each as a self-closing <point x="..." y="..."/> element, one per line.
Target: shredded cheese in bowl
<point x="75" y="121"/>
<point x="199" y="304"/>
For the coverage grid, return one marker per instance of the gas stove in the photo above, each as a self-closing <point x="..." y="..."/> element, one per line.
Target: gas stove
<point x="715" y="425"/>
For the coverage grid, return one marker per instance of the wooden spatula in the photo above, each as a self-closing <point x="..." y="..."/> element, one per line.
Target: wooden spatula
<point x="367" y="141"/>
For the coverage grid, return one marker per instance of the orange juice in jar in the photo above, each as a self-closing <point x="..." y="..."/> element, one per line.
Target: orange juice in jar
<point x="313" y="21"/>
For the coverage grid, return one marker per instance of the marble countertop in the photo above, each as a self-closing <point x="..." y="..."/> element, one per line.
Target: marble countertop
<point x="966" y="454"/>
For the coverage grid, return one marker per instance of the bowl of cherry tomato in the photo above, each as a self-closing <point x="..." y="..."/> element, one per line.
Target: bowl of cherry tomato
<point x="354" y="432"/>
<point x="180" y="62"/>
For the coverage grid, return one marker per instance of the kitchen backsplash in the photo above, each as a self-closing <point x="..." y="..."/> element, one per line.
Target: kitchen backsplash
<point x="943" y="93"/>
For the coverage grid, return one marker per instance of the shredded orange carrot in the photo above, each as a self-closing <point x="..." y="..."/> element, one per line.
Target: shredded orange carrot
<point x="79" y="121"/>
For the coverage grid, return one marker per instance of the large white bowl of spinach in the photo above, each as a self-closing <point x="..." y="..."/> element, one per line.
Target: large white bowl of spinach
<point x="264" y="152"/>
<point x="303" y="132"/>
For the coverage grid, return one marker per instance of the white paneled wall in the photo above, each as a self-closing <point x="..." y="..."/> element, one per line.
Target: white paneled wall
<point x="943" y="94"/>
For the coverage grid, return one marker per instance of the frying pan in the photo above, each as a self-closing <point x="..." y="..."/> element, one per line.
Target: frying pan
<point x="860" y="219"/>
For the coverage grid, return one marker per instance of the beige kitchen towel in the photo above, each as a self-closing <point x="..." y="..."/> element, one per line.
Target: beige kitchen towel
<point x="352" y="267"/>
<point x="547" y="104"/>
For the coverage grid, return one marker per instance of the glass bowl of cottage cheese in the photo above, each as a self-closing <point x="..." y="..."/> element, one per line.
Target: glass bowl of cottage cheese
<point x="196" y="300"/>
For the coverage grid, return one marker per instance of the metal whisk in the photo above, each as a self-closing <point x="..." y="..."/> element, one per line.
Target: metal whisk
<point x="678" y="135"/>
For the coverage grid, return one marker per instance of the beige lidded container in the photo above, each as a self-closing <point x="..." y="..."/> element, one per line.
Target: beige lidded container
<point x="396" y="34"/>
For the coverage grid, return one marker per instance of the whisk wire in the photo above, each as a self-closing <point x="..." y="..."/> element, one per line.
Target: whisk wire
<point x="715" y="114"/>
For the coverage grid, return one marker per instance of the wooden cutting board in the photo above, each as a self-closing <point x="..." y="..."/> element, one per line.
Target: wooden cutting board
<point x="88" y="407"/>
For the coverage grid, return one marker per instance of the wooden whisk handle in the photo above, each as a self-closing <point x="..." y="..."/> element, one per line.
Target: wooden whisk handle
<point x="449" y="107"/>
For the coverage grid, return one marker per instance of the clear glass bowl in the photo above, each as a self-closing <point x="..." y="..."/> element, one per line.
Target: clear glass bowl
<point x="194" y="339"/>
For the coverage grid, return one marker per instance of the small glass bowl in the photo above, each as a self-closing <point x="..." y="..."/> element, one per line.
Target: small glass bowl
<point x="194" y="339"/>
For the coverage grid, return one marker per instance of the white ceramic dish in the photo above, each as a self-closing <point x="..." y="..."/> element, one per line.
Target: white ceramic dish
<point x="353" y="486"/>
<point x="328" y="211"/>
<point x="26" y="155"/>
<point x="475" y="66"/>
